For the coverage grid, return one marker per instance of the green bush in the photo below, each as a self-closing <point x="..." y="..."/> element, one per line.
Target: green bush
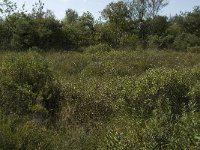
<point x="154" y="41"/>
<point x="86" y="107"/>
<point x="20" y="133"/>
<point x="94" y="69"/>
<point x="195" y="86"/>
<point x="111" y="101"/>
<point x="28" y="86"/>
<point x="186" y="132"/>
<point x="163" y="133"/>
<point x="157" y="132"/>
<point x="159" y="89"/>
<point x="183" y="41"/>
<point x="128" y="41"/>
<point x="31" y="136"/>
<point x="194" y="49"/>
<point x="98" y="48"/>
<point x="195" y="94"/>
<point x="7" y="126"/>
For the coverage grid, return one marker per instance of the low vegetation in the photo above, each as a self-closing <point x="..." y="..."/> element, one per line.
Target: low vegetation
<point x="131" y="81"/>
<point x="107" y="100"/>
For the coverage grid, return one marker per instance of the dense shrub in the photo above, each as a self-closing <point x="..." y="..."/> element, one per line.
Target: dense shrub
<point x="24" y="35"/>
<point x="86" y="107"/>
<point x="7" y="140"/>
<point x="157" y="132"/>
<point x="184" y="40"/>
<point x="154" y="41"/>
<point x="99" y="48"/>
<point x="116" y="100"/>
<point x="28" y="86"/>
<point x="159" y="89"/>
<point x="5" y="37"/>
<point x="195" y="86"/>
<point x="194" y="49"/>
<point x="195" y="94"/>
<point x="20" y="133"/>
<point x="94" y="69"/>
<point x="186" y="132"/>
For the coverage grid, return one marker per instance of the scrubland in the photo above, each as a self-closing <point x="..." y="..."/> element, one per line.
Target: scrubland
<point x="104" y="99"/>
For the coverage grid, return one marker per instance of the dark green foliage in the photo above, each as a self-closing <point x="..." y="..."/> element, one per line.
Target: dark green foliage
<point x="157" y="26"/>
<point x="137" y="100"/>
<point x="99" y="48"/>
<point x="194" y="49"/>
<point x="28" y="86"/>
<point x="18" y="134"/>
<point x="183" y="41"/>
<point x="88" y="112"/>
<point x="126" y="25"/>
<point x="154" y="41"/>
<point x="49" y="33"/>
<point x="86" y="29"/>
<point x="158" y="132"/>
<point x="191" y="21"/>
<point x="112" y="94"/>
<point x="5" y="36"/>
<point x="117" y="13"/>
<point x="24" y="35"/>
<point x="70" y="37"/>
<point x="159" y="89"/>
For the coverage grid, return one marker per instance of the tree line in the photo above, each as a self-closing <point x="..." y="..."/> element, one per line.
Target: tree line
<point x="128" y="23"/>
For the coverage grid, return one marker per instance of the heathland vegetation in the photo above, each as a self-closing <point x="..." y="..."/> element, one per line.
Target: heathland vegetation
<point x="131" y="81"/>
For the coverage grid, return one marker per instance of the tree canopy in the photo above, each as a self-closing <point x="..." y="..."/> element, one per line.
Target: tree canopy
<point x="128" y="23"/>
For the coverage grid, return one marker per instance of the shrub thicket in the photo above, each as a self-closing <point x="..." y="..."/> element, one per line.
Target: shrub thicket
<point x="98" y="48"/>
<point x="28" y="86"/>
<point x="142" y="100"/>
<point x="159" y="89"/>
